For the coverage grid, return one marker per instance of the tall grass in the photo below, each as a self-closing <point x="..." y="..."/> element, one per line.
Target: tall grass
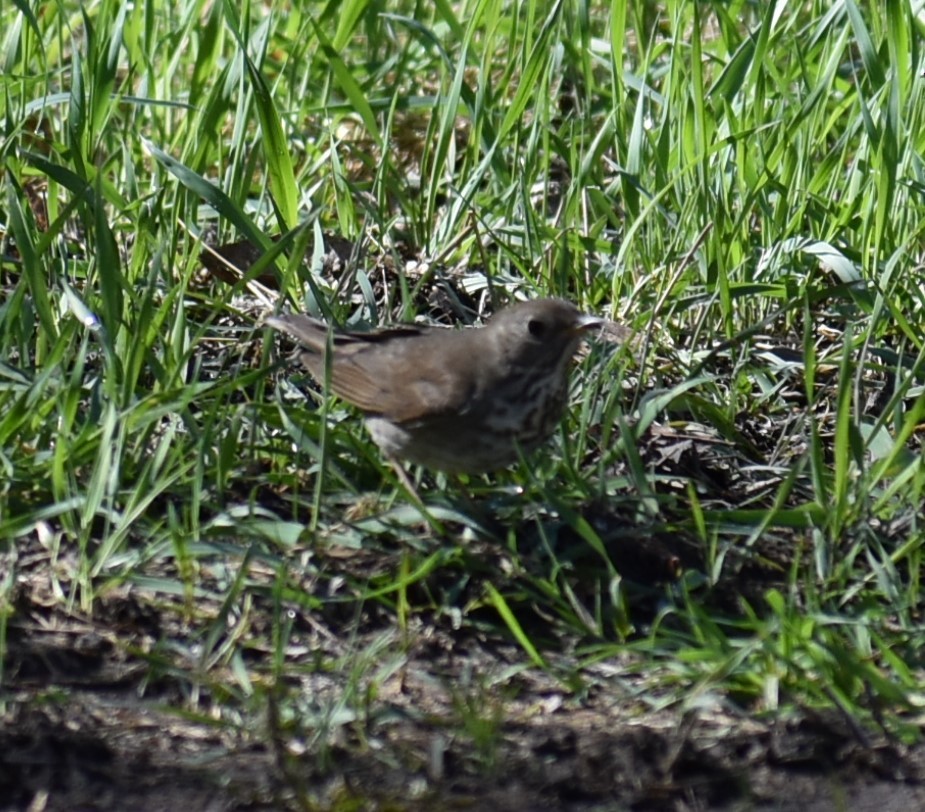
<point x="741" y="183"/>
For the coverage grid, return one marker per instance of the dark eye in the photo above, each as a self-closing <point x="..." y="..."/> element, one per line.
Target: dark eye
<point x="537" y="328"/>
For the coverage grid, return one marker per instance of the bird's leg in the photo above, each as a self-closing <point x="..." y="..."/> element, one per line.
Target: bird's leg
<point x="481" y="520"/>
<point x="408" y="485"/>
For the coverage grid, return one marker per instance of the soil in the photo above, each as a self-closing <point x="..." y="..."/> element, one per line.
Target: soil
<point x="96" y="717"/>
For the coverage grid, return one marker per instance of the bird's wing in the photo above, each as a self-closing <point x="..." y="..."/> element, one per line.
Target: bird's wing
<point x="403" y="380"/>
<point x="402" y="373"/>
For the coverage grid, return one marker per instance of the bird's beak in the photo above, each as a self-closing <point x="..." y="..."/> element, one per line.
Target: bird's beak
<point x="585" y="323"/>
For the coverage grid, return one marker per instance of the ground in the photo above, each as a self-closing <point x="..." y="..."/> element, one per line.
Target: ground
<point x="93" y="720"/>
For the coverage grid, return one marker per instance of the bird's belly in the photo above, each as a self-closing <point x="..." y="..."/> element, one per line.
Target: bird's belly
<point x="475" y="441"/>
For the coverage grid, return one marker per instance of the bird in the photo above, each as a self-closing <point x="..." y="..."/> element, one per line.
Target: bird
<point x="461" y="401"/>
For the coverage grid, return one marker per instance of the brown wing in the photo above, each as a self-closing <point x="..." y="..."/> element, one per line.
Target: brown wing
<point x="404" y="374"/>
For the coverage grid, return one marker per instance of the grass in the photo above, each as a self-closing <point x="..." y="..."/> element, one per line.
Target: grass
<point x="741" y="183"/>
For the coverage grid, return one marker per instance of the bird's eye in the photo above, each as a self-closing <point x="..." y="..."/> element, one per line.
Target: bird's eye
<point x="537" y="328"/>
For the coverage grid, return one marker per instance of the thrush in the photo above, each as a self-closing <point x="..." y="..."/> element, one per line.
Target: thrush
<point x="462" y="401"/>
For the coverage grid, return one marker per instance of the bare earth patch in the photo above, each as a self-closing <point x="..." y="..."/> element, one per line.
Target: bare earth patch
<point x="89" y="723"/>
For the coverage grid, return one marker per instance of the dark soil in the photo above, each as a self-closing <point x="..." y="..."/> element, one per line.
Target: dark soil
<point x="92" y="720"/>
